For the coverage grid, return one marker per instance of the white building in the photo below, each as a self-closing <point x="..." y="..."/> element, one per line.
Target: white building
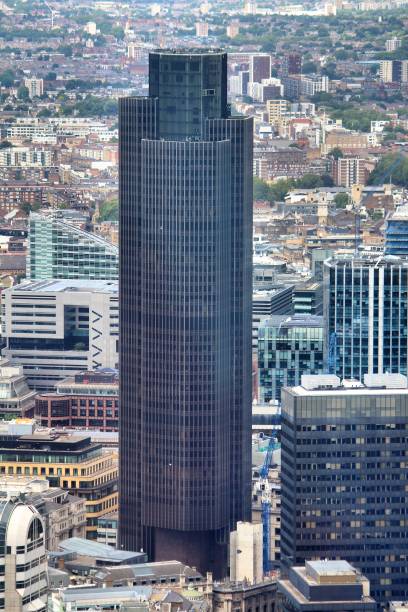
<point x="55" y="328"/>
<point x="311" y="85"/>
<point x="25" y="157"/>
<point x="91" y="28"/>
<point x="392" y="44"/>
<point x="23" y="564"/>
<point x="246" y="553"/>
<point x="35" y="87"/>
<point x="201" y="29"/>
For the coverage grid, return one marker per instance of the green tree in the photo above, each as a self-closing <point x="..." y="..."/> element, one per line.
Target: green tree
<point x="341" y="199"/>
<point x="23" y="93"/>
<point x="336" y="153"/>
<point x="7" y="78"/>
<point x="109" y="210"/>
<point x="262" y="190"/>
<point x="391" y="168"/>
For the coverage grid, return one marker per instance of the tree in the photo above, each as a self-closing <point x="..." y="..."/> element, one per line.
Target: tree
<point x="336" y="153"/>
<point x="261" y="189"/>
<point x="109" y="210"/>
<point x="23" y="93"/>
<point x="391" y="168"/>
<point x="7" y="78"/>
<point x="51" y="76"/>
<point x="341" y="199"/>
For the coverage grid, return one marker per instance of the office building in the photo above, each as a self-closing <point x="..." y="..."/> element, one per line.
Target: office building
<point x="396" y="233"/>
<point x="259" y="67"/>
<point x="56" y="328"/>
<point x="291" y="64"/>
<point x="16" y="398"/>
<point x="276" y="301"/>
<point x="35" y="87"/>
<point x="344" y="477"/>
<point x="238" y="84"/>
<point x="307" y="298"/>
<point x="63" y="514"/>
<point x="108" y="529"/>
<point x="325" y="586"/>
<point x="69" y="461"/>
<point x="58" y="249"/>
<point x="246" y="553"/>
<point x="288" y="347"/>
<point x="87" y="399"/>
<point x="392" y="44"/>
<point x="23" y="568"/>
<point x="186" y="328"/>
<point x="366" y="311"/>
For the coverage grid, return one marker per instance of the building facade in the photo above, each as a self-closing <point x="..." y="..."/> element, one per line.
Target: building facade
<point x="55" y="328"/>
<point x="87" y="399"/>
<point x="288" y="347"/>
<point x="16" y="398"/>
<point x="71" y="462"/>
<point x="396" y="233"/>
<point x="343" y="477"/>
<point x="366" y="313"/>
<point x="186" y="230"/>
<point x="58" y="249"/>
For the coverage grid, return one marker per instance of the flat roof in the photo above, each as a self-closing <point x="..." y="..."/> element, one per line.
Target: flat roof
<point x="329" y="568"/>
<point x="343" y="391"/>
<point x="295" y="320"/>
<point x="68" y="286"/>
<point x="89" y="548"/>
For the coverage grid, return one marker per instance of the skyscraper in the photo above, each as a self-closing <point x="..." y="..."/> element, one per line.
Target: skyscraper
<point x="366" y="307"/>
<point x="185" y="274"/>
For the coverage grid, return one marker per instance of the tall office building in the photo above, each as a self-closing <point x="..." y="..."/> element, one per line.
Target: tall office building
<point x="291" y="64"/>
<point x="344" y="477"/>
<point x="288" y="347"/>
<point x="259" y="67"/>
<point x="185" y="274"/>
<point x="59" y="249"/>
<point x="396" y="233"/>
<point x="366" y="313"/>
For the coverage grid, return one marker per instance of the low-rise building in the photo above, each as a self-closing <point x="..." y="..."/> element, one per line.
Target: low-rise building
<point x="15" y="396"/>
<point x="87" y="399"/>
<point x="69" y="461"/>
<point x="108" y="529"/>
<point x="325" y="586"/>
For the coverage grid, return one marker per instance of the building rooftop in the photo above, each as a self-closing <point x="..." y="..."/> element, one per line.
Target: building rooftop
<point x="102" y="552"/>
<point x="367" y="260"/>
<point x="329" y="568"/>
<point x="92" y="594"/>
<point x="295" y="320"/>
<point x="327" y="384"/>
<point x="68" y="286"/>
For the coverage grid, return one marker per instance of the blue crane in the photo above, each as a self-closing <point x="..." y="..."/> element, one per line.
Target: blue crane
<point x="273" y="444"/>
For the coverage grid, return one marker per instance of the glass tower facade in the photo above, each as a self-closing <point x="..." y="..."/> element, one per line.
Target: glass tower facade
<point x="185" y="277"/>
<point x="366" y="307"/>
<point x="344" y="493"/>
<point x="58" y="249"/>
<point x="396" y="233"/>
<point x="288" y="347"/>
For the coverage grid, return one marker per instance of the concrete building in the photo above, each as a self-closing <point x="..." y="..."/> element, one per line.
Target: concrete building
<point x="55" y="328"/>
<point x="16" y="398"/>
<point x="59" y="249"/>
<point x="88" y="399"/>
<point x="63" y="514"/>
<point x="307" y="298"/>
<point x="233" y="29"/>
<point x="69" y="461"/>
<point x="246" y="553"/>
<point x="291" y="64"/>
<point x="108" y="529"/>
<point x="35" y="87"/>
<point x="227" y="596"/>
<point x="366" y="310"/>
<point x="276" y="109"/>
<point x="349" y="171"/>
<point x="238" y="84"/>
<point x="394" y="71"/>
<point x="23" y="572"/>
<point x="325" y="586"/>
<point x="343" y="477"/>
<point x="288" y="347"/>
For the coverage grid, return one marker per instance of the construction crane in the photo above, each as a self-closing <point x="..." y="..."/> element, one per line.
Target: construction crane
<point x="273" y="444"/>
<point x="52" y="13"/>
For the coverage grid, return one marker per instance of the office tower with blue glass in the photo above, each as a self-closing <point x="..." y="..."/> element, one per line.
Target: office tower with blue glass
<point x="344" y="485"/>
<point x="396" y="233"/>
<point x="288" y="347"/>
<point x="185" y="303"/>
<point x="59" y="249"/>
<point x="366" y="315"/>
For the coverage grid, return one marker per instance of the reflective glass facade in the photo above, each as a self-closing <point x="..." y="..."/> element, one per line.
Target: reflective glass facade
<point x="288" y="347"/>
<point x="366" y="306"/>
<point x="60" y="250"/>
<point x="396" y="236"/>
<point x="344" y="493"/>
<point x="185" y="350"/>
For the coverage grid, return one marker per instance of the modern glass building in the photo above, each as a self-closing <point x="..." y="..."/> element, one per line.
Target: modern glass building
<point x="58" y="249"/>
<point x="366" y="315"/>
<point x="185" y="303"/>
<point x="396" y="233"/>
<point x="344" y="492"/>
<point x="287" y="348"/>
